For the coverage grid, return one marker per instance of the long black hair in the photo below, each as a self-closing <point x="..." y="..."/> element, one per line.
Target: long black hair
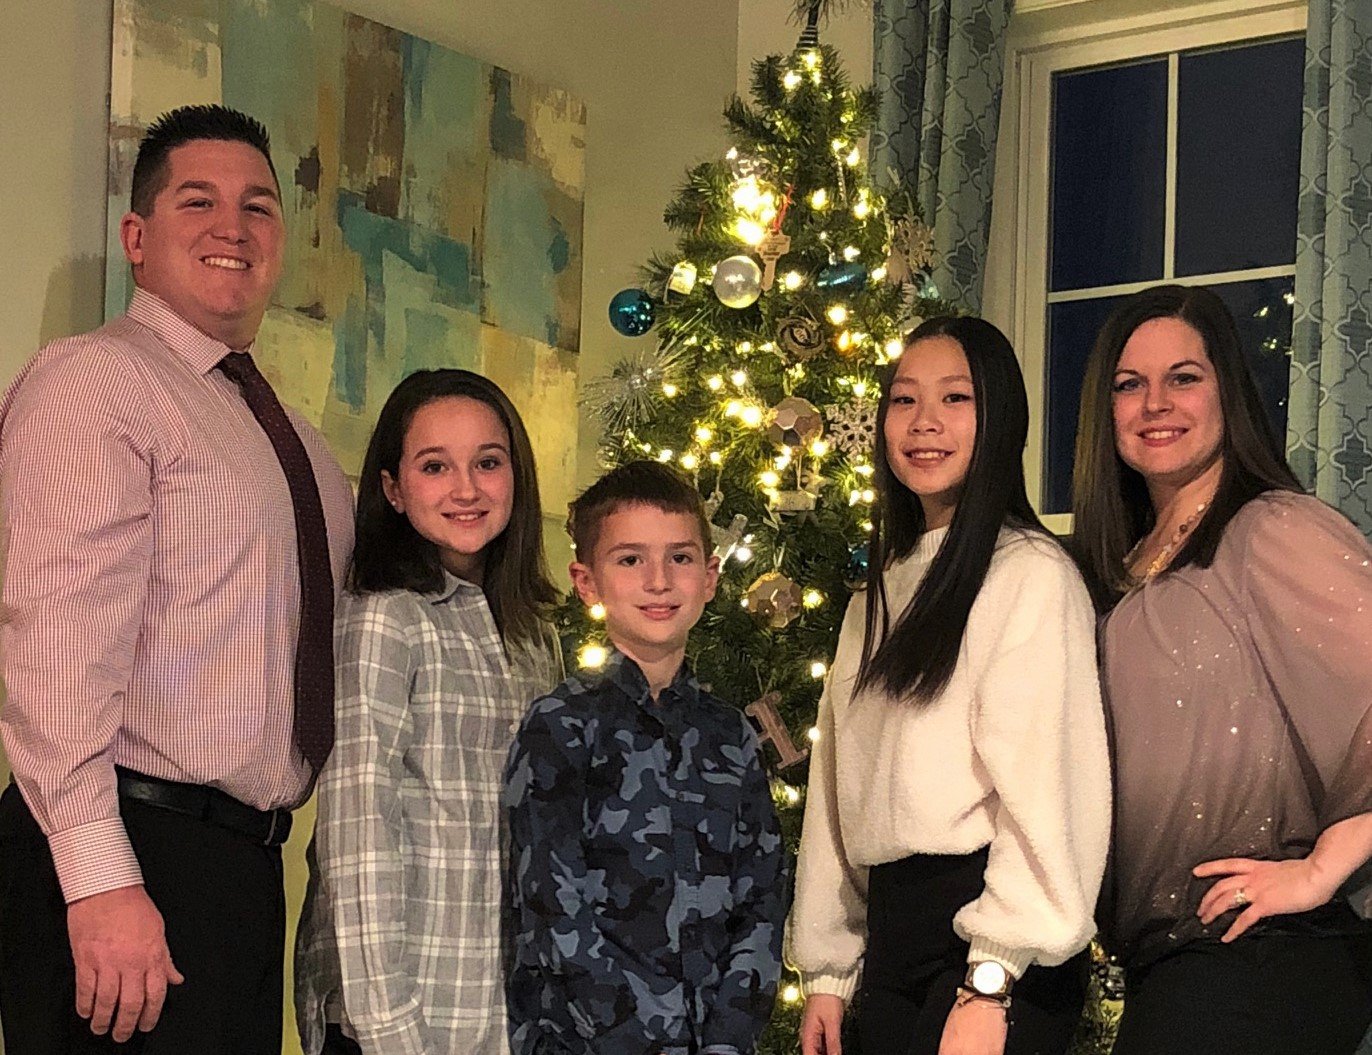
<point x="916" y="657"/>
<point x="391" y="555"/>
<point x="1110" y="503"/>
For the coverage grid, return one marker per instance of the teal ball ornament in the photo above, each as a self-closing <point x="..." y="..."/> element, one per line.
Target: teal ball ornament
<point x="842" y="278"/>
<point x="855" y="571"/>
<point x="632" y="312"/>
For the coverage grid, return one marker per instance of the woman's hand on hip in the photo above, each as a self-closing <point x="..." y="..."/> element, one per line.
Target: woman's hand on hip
<point x="975" y="1028"/>
<point x="1261" y="889"/>
<point x="820" y="1025"/>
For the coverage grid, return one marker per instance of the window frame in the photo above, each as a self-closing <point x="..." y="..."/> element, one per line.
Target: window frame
<point x="1017" y="274"/>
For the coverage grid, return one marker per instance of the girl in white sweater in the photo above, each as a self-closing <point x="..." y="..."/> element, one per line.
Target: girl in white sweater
<point x="959" y="794"/>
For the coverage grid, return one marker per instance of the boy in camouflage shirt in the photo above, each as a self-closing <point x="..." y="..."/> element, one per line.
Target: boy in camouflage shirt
<point x="647" y="880"/>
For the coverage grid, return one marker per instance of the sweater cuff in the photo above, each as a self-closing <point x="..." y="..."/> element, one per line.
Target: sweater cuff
<point x="1016" y="961"/>
<point x="843" y="986"/>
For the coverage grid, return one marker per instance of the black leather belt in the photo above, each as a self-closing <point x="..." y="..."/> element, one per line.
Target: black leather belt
<point x="268" y="827"/>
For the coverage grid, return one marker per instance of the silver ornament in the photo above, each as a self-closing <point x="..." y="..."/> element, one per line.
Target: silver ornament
<point x="738" y="282"/>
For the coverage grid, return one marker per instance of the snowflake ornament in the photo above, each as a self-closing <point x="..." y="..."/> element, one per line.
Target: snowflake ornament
<point x="912" y="250"/>
<point x="853" y="426"/>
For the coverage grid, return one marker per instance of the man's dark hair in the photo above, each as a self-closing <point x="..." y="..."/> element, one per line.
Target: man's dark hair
<point x="641" y="483"/>
<point x="186" y="124"/>
<point x="391" y="555"/>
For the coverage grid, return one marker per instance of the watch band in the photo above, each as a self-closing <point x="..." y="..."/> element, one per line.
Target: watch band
<point x="968" y="996"/>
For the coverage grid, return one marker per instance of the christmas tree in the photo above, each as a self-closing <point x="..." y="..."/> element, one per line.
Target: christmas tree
<point x="793" y="278"/>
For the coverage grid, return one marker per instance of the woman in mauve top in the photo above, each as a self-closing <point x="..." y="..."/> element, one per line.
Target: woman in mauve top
<point x="1237" y="667"/>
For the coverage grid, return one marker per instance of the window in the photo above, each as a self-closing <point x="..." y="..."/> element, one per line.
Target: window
<point x="1146" y="156"/>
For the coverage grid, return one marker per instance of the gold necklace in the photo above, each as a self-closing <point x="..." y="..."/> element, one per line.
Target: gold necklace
<point x="1160" y="562"/>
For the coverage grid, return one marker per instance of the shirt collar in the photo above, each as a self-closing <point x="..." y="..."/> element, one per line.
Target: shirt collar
<point x="453" y="586"/>
<point x="628" y="677"/>
<point x="199" y="350"/>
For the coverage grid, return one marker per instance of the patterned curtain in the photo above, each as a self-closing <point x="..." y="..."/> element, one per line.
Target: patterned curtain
<point x="1327" y="431"/>
<point x="939" y="66"/>
<point x="1329" y="435"/>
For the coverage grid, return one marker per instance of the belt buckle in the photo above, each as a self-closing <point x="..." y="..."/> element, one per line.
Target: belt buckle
<point x="271" y="831"/>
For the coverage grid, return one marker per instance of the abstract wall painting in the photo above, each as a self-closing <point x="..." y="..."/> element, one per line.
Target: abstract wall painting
<point x="433" y="206"/>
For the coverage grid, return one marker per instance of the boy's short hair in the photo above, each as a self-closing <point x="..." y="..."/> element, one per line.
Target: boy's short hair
<point x="637" y="483"/>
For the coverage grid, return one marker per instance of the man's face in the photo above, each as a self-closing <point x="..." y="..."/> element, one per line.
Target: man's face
<point x="212" y="246"/>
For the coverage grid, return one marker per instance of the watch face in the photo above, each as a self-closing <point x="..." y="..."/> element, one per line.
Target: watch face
<point x="989" y="977"/>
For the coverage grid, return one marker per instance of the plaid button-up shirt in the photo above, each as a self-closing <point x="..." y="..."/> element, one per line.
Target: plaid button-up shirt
<point x="400" y="939"/>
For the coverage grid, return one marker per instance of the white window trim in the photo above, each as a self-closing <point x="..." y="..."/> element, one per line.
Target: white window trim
<point x="1017" y="266"/>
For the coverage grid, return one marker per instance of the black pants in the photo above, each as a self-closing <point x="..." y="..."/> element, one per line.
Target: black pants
<point x="914" y="964"/>
<point x="222" y="903"/>
<point x="1264" y="994"/>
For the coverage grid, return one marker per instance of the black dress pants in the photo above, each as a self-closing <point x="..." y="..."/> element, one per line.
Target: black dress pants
<point x="223" y="906"/>
<point x="1264" y="994"/>
<point x="914" y="964"/>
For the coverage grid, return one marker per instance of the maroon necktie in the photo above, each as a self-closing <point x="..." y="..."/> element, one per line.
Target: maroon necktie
<point x="314" y="643"/>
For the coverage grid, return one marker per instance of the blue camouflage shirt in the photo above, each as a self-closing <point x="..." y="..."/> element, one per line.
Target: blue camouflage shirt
<point x="646" y="880"/>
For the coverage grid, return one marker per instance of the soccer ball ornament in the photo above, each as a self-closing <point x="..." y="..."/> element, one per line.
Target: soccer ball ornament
<point x="774" y="599"/>
<point x="795" y="422"/>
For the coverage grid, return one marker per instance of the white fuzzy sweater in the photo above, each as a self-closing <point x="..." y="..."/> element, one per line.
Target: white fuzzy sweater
<point x="1012" y="753"/>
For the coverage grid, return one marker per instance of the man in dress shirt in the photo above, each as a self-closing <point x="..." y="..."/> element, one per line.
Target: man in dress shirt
<point x="152" y="601"/>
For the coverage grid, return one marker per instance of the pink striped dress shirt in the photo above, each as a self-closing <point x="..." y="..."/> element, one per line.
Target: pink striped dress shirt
<point x="151" y="589"/>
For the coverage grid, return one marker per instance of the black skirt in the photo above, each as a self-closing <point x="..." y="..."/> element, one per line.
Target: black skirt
<point x="914" y="964"/>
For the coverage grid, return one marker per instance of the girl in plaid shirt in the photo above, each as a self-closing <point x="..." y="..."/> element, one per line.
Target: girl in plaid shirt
<point x="441" y="642"/>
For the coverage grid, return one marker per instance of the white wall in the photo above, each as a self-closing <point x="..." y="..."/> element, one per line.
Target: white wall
<point x="54" y="73"/>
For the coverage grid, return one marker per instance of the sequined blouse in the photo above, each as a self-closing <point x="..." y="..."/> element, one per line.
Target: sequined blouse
<point x="1239" y="699"/>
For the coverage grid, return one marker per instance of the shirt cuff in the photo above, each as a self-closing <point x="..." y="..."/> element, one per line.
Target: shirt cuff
<point x="94" y="858"/>
<point x="403" y="1036"/>
<point x="1016" y="961"/>
<point x="843" y="986"/>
